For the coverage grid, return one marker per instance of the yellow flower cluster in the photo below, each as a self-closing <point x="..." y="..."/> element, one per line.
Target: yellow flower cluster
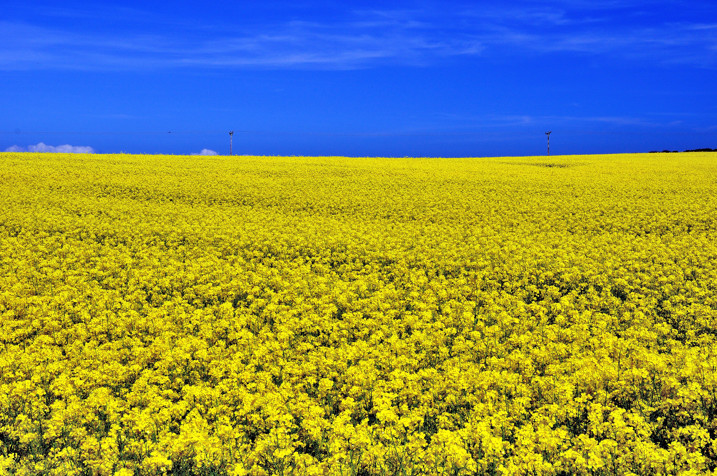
<point x="358" y="316"/>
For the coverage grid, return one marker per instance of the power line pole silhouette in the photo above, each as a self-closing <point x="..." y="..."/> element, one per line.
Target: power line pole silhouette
<point x="231" y="140"/>
<point x="548" y="134"/>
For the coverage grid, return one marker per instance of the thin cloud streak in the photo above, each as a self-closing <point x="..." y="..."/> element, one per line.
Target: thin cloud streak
<point x="452" y="121"/>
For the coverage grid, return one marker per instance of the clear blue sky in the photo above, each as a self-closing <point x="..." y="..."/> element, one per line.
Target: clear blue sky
<point x="422" y="78"/>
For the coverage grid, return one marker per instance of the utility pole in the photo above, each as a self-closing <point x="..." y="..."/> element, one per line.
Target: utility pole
<point x="548" y="134"/>
<point x="231" y="140"/>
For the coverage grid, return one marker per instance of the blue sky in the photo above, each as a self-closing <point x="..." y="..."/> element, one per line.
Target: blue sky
<point x="422" y="78"/>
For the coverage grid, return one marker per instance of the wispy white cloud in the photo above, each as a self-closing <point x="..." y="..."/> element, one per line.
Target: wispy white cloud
<point x="42" y="147"/>
<point x="347" y="45"/>
<point x="594" y="28"/>
<point x="367" y="38"/>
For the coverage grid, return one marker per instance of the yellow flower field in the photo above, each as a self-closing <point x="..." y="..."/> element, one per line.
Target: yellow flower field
<point x="358" y="316"/>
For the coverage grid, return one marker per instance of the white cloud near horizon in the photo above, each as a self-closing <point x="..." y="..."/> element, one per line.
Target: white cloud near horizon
<point x="207" y="152"/>
<point x="62" y="149"/>
<point x="363" y="39"/>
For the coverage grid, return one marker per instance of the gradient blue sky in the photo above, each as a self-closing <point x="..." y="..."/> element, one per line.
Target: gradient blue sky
<point x="423" y="78"/>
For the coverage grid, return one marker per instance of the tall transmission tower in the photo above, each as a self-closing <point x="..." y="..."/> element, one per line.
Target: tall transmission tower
<point x="548" y="134"/>
<point x="231" y="140"/>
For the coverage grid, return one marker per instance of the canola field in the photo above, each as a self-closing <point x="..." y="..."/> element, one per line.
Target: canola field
<point x="358" y="316"/>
